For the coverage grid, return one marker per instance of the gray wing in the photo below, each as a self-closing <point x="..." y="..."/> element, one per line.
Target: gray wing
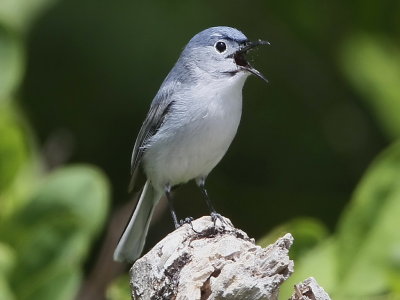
<point x="158" y="110"/>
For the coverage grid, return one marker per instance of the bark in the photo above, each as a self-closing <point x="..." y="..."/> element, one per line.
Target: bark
<point x="203" y="260"/>
<point x="309" y="290"/>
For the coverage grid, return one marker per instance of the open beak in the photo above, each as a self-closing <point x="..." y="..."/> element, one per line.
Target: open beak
<point x="241" y="61"/>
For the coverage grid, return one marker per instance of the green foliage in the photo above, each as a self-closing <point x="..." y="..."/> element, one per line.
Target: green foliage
<point x="372" y="66"/>
<point x="11" y="62"/>
<point x="119" y="289"/>
<point x="19" y="14"/>
<point x="361" y="259"/>
<point x="307" y="232"/>
<point x="52" y="233"/>
<point x="13" y="146"/>
<point x="47" y="221"/>
<point x="368" y="235"/>
<point x="7" y="263"/>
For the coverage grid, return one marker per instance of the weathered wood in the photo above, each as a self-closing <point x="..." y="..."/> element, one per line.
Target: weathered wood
<point x="309" y="290"/>
<point x="206" y="261"/>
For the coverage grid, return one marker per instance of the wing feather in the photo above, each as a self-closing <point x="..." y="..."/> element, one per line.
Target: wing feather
<point x="159" y="109"/>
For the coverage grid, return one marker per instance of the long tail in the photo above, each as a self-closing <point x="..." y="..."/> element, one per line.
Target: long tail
<point x="132" y="241"/>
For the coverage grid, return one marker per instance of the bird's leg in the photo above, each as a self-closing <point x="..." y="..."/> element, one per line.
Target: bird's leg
<point x="213" y="212"/>
<point x="171" y="205"/>
<point x="177" y="224"/>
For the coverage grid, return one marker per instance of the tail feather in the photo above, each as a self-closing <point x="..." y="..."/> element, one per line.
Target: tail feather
<point x="132" y="241"/>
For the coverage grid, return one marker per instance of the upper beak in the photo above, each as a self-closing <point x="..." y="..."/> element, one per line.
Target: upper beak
<point x="240" y="59"/>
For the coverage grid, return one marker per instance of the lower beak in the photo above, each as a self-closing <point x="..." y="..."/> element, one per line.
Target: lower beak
<point x="254" y="71"/>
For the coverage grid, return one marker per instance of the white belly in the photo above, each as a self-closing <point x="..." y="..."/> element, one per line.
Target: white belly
<point x="196" y="136"/>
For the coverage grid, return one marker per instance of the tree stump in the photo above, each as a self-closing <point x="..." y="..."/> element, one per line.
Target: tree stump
<point x="203" y="260"/>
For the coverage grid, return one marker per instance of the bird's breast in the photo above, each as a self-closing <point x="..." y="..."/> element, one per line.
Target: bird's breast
<point x="195" y="136"/>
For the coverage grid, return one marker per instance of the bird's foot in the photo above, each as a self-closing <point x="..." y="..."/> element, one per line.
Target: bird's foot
<point x="216" y="216"/>
<point x="187" y="220"/>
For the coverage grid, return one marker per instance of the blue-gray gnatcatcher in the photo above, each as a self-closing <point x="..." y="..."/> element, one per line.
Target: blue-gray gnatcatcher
<point x="191" y="123"/>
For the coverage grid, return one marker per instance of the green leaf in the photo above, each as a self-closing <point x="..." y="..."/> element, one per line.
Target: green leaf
<point x="369" y="235"/>
<point x="372" y="66"/>
<point x="13" y="146"/>
<point x="53" y="232"/>
<point x="5" y="291"/>
<point x="20" y="13"/>
<point x="7" y="259"/>
<point x="119" y="289"/>
<point x="362" y="259"/>
<point x="7" y="263"/>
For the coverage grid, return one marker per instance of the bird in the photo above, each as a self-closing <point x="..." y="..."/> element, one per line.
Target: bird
<point x="190" y="125"/>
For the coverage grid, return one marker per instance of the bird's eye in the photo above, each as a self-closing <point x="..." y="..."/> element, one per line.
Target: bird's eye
<point x="220" y="46"/>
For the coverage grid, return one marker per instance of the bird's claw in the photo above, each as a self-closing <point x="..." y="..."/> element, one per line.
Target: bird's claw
<point x="187" y="220"/>
<point x="216" y="216"/>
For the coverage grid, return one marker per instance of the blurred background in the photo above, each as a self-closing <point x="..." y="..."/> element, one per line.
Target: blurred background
<point x="316" y="154"/>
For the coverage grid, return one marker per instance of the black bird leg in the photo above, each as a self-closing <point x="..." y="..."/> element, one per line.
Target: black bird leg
<point x="171" y="205"/>
<point x="177" y="224"/>
<point x="213" y="212"/>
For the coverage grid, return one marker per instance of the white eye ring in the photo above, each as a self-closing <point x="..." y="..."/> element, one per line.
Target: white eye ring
<point x="220" y="46"/>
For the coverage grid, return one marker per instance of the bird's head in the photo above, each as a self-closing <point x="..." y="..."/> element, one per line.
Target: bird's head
<point x="221" y="52"/>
